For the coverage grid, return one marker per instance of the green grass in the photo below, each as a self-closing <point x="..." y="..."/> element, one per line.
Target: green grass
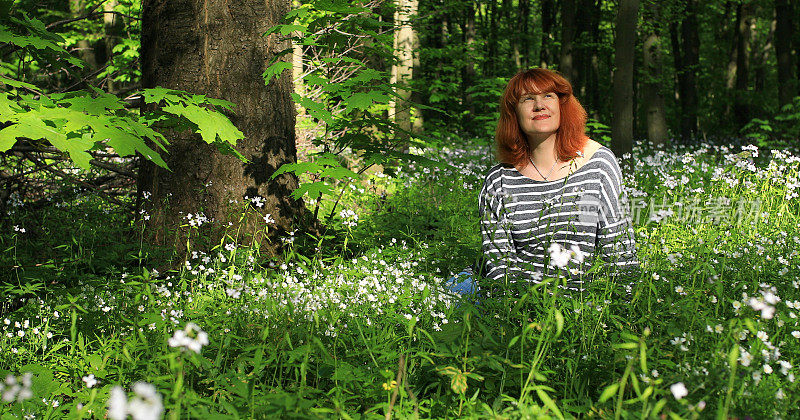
<point x="357" y="324"/>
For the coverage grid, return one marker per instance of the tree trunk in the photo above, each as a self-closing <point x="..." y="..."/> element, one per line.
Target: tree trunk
<point x="568" y="26"/>
<point x="406" y="45"/>
<point x="548" y="16"/>
<point x="687" y="72"/>
<point x="592" y="98"/>
<point x="468" y="71"/>
<point x="740" y="107"/>
<point x="113" y="27"/>
<point x="77" y="8"/>
<point x="489" y="64"/>
<point x="216" y="48"/>
<point x="657" y="131"/>
<point x="624" y="55"/>
<point x="522" y="38"/>
<point x="761" y="56"/>
<point x="787" y="83"/>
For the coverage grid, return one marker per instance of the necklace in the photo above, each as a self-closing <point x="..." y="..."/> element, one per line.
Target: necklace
<point x="540" y="172"/>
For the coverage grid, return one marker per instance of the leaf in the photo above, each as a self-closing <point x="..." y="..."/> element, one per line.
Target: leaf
<point x="338" y="172"/>
<point x="548" y="402"/>
<point x="18" y="84"/>
<point x="275" y="70"/>
<point x="608" y="392"/>
<point x="363" y="100"/>
<point x="315" y="109"/>
<point x="297" y="168"/>
<point x="313" y="189"/>
<point x="559" y="322"/>
<point x="458" y="383"/>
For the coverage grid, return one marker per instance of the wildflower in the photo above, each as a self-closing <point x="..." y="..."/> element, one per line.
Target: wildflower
<point x="767" y="369"/>
<point x="678" y="390"/>
<point x="268" y="218"/>
<point x="780" y="395"/>
<point x="762" y="335"/>
<point x="191" y="338"/>
<point x="796" y="334"/>
<point x="558" y="255"/>
<point x="388" y="386"/>
<point x="146" y="404"/>
<point x="745" y="357"/>
<point x="767" y="311"/>
<point x="737" y="306"/>
<point x="90" y="380"/>
<point x="785" y="366"/>
<point x="16" y="388"/>
<point x="577" y="254"/>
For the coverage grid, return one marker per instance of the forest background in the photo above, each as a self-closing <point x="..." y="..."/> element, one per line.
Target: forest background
<point x="252" y="149"/>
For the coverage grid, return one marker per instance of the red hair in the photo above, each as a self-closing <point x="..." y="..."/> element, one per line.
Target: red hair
<point x="512" y="145"/>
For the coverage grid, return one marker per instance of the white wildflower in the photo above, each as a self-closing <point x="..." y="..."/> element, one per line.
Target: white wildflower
<point x="678" y="390"/>
<point x="191" y="338"/>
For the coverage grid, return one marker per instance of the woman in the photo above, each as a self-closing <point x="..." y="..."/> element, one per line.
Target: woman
<point x="556" y="198"/>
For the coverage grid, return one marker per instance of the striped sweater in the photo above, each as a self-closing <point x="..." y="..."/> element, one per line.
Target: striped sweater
<point x="522" y="218"/>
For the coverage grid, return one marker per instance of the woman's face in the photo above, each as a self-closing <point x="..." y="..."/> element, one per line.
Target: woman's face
<point x="539" y="114"/>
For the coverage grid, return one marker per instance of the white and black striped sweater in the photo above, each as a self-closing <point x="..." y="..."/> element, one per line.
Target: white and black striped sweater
<point x="522" y="217"/>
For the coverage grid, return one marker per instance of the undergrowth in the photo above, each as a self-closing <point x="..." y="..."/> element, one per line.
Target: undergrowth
<point x="357" y="324"/>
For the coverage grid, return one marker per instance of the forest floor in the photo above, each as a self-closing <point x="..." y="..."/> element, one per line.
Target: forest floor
<point x="357" y="324"/>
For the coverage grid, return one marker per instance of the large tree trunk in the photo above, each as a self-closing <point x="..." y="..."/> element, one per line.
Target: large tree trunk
<point x="624" y="55"/>
<point x="787" y="83"/>
<point x="216" y="48"/>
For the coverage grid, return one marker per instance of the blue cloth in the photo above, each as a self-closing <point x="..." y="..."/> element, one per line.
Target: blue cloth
<point x="462" y="283"/>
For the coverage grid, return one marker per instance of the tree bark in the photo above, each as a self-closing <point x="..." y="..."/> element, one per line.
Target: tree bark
<point x="740" y="108"/>
<point x="624" y="56"/>
<point x="468" y="74"/>
<point x="548" y="16"/>
<point x="492" y="41"/>
<point x="406" y="45"/>
<point x="657" y="131"/>
<point x="113" y="27"/>
<point x="216" y="48"/>
<point x="653" y="77"/>
<point x="522" y="38"/>
<point x="686" y="54"/>
<point x="787" y="83"/>
<point x="568" y="25"/>
<point x="77" y="8"/>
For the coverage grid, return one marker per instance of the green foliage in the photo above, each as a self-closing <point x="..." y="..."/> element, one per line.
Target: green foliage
<point x="598" y="131"/>
<point x="80" y="121"/>
<point x="344" y="93"/>
<point x="336" y="328"/>
<point x="779" y="131"/>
